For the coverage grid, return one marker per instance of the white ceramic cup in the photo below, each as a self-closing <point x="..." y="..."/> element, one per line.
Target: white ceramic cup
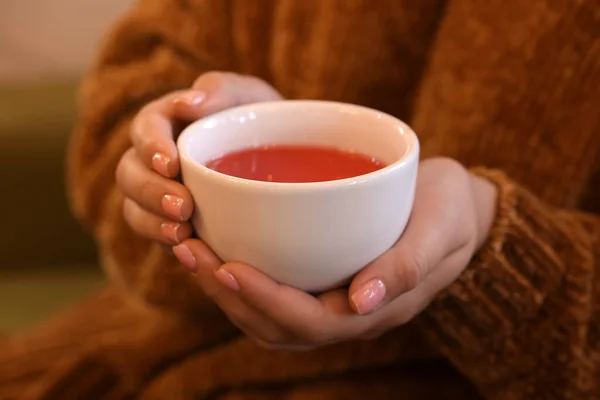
<point x="312" y="236"/>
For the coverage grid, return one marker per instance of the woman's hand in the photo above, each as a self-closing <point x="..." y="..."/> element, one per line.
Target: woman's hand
<point x="156" y="206"/>
<point x="451" y="218"/>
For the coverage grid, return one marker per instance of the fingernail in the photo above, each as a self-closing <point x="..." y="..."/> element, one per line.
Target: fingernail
<point x="160" y="163"/>
<point x="227" y="279"/>
<point x="190" y="98"/>
<point x="185" y="256"/>
<point x="170" y="230"/>
<point x="172" y="206"/>
<point x="369" y="296"/>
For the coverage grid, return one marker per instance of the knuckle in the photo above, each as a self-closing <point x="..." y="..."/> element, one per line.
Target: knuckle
<point x="221" y="86"/>
<point x="448" y="165"/>
<point x="145" y="128"/>
<point x="453" y="171"/>
<point x="253" y="81"/>
<point x="146" y="145"/>
<point x="152" y="107"/>
<point x="413" y="269"/>
<point x="139" y="121"/>
<point x="122" y="170"/>
<point x="266" y="89"/>
<point x="213" y="79"/>
<point x="132" y="216"/>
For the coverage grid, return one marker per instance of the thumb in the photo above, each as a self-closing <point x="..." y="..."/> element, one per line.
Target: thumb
<point x="423" y="246"/>
<point x="437" y="228"/>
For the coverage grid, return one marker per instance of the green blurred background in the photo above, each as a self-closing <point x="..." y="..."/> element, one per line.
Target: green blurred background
<point x="47" y="261"/>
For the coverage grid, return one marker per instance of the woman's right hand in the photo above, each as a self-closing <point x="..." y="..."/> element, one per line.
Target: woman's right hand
<point x="157" y="206"/>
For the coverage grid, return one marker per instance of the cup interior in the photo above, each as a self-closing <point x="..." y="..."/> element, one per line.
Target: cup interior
<point x="298" y="122"/>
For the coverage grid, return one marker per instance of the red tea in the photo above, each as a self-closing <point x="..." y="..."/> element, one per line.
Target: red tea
<point x="295" y="164"/>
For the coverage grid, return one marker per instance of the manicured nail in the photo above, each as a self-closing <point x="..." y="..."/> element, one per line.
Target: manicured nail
<point x="170" y="230"/>
<point x="369" y="296"/>
<point x="172" y="206"/>
<point x="160" y="163"/>
<point x="227" y="279"/>
<point x="185" y="256"/>
<point x="190" y="98"/>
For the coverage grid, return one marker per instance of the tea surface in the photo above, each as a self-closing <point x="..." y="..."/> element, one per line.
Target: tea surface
<point x="295" y="164"/>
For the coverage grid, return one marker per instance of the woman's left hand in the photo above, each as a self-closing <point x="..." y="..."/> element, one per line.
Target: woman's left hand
<point x="453" y="212"/>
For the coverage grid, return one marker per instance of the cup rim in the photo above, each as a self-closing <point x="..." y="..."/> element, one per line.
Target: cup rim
<point x="218" y="177"/>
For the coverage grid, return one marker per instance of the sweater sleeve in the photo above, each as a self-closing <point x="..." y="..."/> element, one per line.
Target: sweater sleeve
<point x="156" y="48"/>
<point x="523" y="320"/>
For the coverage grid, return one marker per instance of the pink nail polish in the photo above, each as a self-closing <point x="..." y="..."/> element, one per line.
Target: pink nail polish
<point x="172" y="206"/>
<point x="170" y="230"/>
<point x="160" y="163"/>
<point x="185" y="256"/>
<point x="227" y="279"/>
<point x="190" y="98"/>
<point x="369" y="296"/>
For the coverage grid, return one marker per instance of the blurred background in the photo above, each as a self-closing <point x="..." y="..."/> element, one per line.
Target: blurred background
<point x="46" y="260"/>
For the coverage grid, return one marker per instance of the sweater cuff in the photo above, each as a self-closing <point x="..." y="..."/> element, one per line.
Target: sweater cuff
<point x="509" y="278"/>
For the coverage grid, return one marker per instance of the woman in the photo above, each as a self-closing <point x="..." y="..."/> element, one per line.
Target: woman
<point x="497" y="271"/>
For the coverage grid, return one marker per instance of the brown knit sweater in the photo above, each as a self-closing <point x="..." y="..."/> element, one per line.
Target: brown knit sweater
<point x="513" y="86"/>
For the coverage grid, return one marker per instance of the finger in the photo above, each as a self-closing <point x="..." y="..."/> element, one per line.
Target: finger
<point x="257" y="328"/>
<point x="429" y="237"/>
<point x="225" y="90"/>
<point x="153" y="227"/>
<point x="161" y="196"/>
<point x="403" y="309"/>
<point x="199" y="258"/>
<point x="295" y="311"/>
<point x="156" y="127"/>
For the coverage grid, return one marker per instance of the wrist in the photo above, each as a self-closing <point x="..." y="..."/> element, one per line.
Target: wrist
<point x="485" y="198"/>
